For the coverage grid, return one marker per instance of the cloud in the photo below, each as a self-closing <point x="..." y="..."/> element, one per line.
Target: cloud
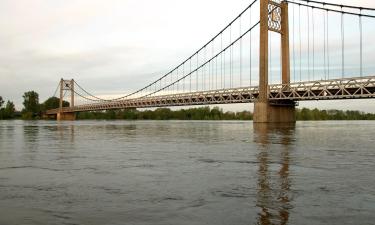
<point x="110" y="47"/>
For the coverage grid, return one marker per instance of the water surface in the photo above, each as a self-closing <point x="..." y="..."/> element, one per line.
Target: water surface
<point x="186" y="172"/>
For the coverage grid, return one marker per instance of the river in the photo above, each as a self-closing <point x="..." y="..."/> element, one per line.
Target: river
<point x="186" y="172"/>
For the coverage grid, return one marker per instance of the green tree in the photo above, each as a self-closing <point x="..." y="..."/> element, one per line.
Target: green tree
<point x="305" y="114"/>
<point x="129" y="114"/>
<point x="9" y="110"/>
<point x="52" y="103"/>
<point x="110" y="115"/>
<point x="1" y="108"/>
<point x="205" y="113"/>
<point x="216" y="113"/>
<point x="1" y="102"/>
<point x="31" y="105"/>
<point x="162" y="114"/>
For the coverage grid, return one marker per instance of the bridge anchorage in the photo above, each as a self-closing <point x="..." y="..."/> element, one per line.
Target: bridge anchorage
<point x="225" y="71"/>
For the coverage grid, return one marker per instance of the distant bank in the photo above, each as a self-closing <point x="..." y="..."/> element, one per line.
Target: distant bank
<point x="215" y="113"/>
<point x="201" y="113"/>
<point x="34" y="110"/>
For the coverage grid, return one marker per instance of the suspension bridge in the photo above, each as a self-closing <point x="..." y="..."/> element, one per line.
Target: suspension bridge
<point x="273" y="54"/>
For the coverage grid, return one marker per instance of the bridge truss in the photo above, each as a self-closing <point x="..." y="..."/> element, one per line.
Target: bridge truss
<point x="225" y="69"/>
<point x="349" y="88"/>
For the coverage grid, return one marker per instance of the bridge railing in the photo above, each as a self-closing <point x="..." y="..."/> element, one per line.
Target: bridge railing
<point x="226" y="68"/>
<point x="346" y="88"/>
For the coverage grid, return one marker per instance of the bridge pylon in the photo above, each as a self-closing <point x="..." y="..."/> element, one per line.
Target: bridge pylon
<point x="66" y="85"/>
<point x="274" y="18"/>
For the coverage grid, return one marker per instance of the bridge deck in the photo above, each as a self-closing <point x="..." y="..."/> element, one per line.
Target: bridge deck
<point x="346" y="88"/>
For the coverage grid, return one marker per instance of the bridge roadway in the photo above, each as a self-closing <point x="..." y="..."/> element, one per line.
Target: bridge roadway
<point x="345" y="88"/>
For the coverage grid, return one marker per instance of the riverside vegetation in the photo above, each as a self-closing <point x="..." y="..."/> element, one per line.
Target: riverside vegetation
<point x="34" y="110"/>
<point x="215" y="113"/>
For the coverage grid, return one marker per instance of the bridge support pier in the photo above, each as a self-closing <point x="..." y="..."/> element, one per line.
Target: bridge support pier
<point x="266" y="112"/>
<point x="273" y="17"/>
<point x="65" y="116"/>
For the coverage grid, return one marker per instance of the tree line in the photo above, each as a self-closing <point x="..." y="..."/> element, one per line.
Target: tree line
<point x="8" y="110"/>
<point x="32" y="109"/>
<point x="215" y="113"/>
<point x="201" y="113"/>
<point x="316" y="114"/>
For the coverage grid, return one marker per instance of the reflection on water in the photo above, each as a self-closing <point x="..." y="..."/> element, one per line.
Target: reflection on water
<point x="31" y="135"/>
<point x="31" y="141"/>
<point x="66" y="132"/>
<point x="273" y="189"/>
<point x="186" y="173"/>
<point x="7" y="133"/>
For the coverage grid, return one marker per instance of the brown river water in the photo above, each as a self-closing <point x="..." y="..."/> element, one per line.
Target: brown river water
<point x="186" y="172"/>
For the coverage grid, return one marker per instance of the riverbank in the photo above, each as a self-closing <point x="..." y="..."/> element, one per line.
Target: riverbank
<point x="207" y="113"/>
<point x="215" y="113"/>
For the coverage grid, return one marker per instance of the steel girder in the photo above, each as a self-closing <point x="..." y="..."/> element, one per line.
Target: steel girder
<point x="346" y="88"/>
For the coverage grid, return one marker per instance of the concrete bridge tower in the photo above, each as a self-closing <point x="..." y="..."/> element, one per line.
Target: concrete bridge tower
<point x="274" y="18"/>
<point x="66" y="85"/>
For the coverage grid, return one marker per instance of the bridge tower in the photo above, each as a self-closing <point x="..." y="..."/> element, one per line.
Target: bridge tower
<point x="66" y="85"/>
<point x="273" y="18"/>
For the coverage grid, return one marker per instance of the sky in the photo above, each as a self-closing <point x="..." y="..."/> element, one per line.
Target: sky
<point x="113" y="46"/>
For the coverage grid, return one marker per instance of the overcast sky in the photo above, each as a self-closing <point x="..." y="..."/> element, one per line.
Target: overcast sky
<point x="111" y="46"/>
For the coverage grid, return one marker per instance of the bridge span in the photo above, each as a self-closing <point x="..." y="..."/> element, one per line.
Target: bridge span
<point x="238" y="67"/>
<point x="349" y="88"/>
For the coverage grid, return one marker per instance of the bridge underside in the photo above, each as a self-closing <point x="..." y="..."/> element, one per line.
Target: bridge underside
<point x="281" y="97"/>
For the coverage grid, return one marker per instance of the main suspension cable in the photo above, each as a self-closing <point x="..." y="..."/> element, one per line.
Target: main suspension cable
<point x="338" y="5"/>
<point x="205" y="63"/>
<point x="101" y="99"/>
<point x="189" y="58"/>
<point x="82" y="96"/>
<point x="194" y="54"/>
<point x="332" y="10"/>
<point x="57" y="88"/>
